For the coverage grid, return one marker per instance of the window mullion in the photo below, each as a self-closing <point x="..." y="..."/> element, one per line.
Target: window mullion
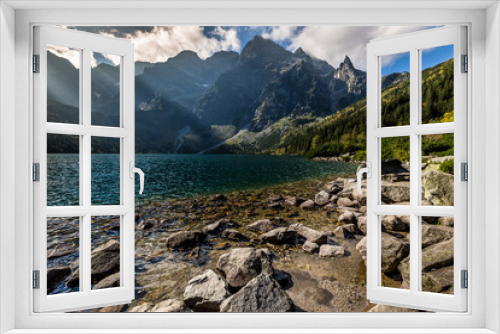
<point x="85" y="272"/>
<point x="415" y="169"/>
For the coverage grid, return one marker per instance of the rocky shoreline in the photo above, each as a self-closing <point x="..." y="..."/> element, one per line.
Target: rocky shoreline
<point x="298" y="247"/>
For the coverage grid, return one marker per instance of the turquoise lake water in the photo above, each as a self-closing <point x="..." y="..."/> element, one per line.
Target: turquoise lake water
<point x="170" y="176"/>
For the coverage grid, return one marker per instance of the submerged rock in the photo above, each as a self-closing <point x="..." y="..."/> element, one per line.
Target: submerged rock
<point x="240" y="265"/>
<point x="105" y="260"/>
<point x="185" y="239"/>
<point x="205" y="292"/>
<point x="56" y="275"/>
<point x="261" y="294"/>
<point x="111" y="281"/>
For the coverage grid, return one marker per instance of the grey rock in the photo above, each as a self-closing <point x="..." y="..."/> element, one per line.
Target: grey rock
<point x="105" y="260"/>
<point x="205" y="292"/>
<point x="438" y="188"/>
<point x="240" y="265"/>
<point x="432" y="234"/>
<point x="447" y="221"/>
<point x="219" y="226"/>
<point x="263" y="225"/>
<point x="280" y="236"/>
<point x="347" y="218"/>
<point x="169" y="306"/>
<point x="291" y="200"/>
<point x="111" y="281"/>
<point x="261" y="294"/>
<point x="394" y="223"/>
<point x="309" y="234"/>
<point x="309" y="204"/>
<point x="56" y="275"/>
<point x="389" y="309"/>
<point x="146" y="307"/>
<point x="310" y="247"/>
<point x="331" y="251"/>
<point x="185" y="239"/>
<point x="233" y="234"/>
<point x="344" y="201"/>
<point x="322" y="198"/>
<point x="61" y="250"/>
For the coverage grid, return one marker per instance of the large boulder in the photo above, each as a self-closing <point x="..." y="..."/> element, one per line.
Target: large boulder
<point x="322" y="198"/>
<point x="394" y="250"/>
<point x="205" y="292"/>
<point x="111" y="281"/>
<point x="169" y="306"/>
<point x="347" y="218"/>
<point x="395" y="192"/>
<point x="56" y="275"/>
<point x="104" y="261"/>
<point x="309" y="234"/>
<point x="261" y="294"/>
<point x="61" y="250"/>
<point x="280" y="236"/>
<point x="331" y="251"/>
<point x="433" y="257"/>
<point x="241" y="265"/>
<point x="432" y="234"/>
<point x="438" y="188"/>
<point x="262" y="225"/>
<point x="438" y="280"/>
<point x="185" y="239"/>
<point x="394" y="223"/>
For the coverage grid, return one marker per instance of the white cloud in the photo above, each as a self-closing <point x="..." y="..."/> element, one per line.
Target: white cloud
<point x="332" y="43"/>
<point x="73" y="55"/>
<point x="165" y="42"/>
<point x="280" y="33"/>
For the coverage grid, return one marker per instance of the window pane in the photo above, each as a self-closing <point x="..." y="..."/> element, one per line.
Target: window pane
<point x="63" y="240"/>
<point x="63" y="170"/>
<point x="437" y="254"/>
<point x="395" y="182"/>
<point x="105" y="171"/>
<point x="105" y="89"/>
<point x="395" y="87"/>
<point x="105" y="257"/>
<point x="395" y="251"/>
<point x="437" y="84"/>
<point x="63" y="85"/>
<point x="438" y="170"/>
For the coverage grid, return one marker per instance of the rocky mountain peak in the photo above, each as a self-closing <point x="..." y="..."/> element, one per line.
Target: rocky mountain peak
<point x="300" y="53"/>
<point x="347" y="63"/>
<point x="264" y="50"/>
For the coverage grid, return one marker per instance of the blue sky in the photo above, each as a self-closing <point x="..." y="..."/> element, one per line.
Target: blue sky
<point x="430" y="58"/>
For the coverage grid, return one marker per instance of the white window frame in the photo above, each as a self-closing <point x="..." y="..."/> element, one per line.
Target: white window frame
<point x="484" y="46"/>
<point x="86" y="43"/>
<point x="414" y="43"/>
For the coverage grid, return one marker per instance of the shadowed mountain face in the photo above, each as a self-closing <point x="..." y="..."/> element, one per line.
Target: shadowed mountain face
<point x="188" y="104"/>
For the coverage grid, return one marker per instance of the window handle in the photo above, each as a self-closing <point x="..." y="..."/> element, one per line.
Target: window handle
<point x="360" y="172"/>
<point x="134" y="170"/>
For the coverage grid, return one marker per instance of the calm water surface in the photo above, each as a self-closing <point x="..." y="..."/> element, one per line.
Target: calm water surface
<point x="170" y="176"/>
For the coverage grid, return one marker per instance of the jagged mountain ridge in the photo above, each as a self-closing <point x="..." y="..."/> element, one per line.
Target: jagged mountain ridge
<point x="254" y="89"/>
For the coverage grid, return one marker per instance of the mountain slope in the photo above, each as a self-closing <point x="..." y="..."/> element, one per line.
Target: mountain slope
<point x="346" y="131"/>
